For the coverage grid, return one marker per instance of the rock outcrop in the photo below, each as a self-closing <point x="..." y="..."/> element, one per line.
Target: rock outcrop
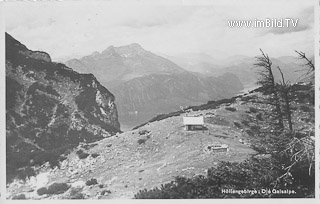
<point x="50" y="108"/>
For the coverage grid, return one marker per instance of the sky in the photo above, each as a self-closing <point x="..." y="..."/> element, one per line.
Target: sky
<point x="68" y="29"/>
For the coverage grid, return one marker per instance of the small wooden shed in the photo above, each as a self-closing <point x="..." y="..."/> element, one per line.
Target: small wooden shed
<point x="193" y="122"/>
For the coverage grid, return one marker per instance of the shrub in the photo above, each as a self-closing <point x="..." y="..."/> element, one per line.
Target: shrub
<point x="75" y="193"/>
<point x="88" y="146"/>
<point x="246" y="98"/>
<point x="231" y="109"/>
<point x="259" y="116"/>
<point x="58" y="188"/>
<point x="245" y="122"/>
<point x="25" y="173"/>
<point x="141" y="141"/>
<point x="19" y="197"/>
<point x="104" y="192"/>
<point x="91" y="182"/>
<point x="94" y="155"/>
<point x="143" y="132"/>
<point x="253" y="110"/>
<point x="255" y="128"/>
<point x="305" y="108"/>
<point x="42" y="191"/>
<point x="237" y="124"/>
<point x="78" y="195"/>
<point x="81" y="154"/>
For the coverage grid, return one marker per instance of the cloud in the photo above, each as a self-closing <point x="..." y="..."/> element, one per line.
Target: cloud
<point x="284" y="30"/>
<point x="304" y="22"/>
<point x="79" y="28"/>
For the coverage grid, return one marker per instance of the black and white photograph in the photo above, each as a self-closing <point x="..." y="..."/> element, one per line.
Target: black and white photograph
<point x="179" y="99"/>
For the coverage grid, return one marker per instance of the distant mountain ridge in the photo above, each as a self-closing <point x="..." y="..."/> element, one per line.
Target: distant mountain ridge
<point x="240" y="65"/>
<point x="146" y="84"/>
<point x="123" y="63"/>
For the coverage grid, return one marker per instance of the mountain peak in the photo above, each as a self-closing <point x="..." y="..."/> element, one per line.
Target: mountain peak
<point x="126" y="50"/>
<point x="95" y="53"/>
<point x="131" y="49"/>
<point x="135" y="46"/>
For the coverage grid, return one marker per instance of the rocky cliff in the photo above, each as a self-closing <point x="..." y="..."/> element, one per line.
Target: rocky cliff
<point x="50" y="109"/>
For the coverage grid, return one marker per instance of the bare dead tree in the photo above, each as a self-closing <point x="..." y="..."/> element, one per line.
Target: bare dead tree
<point x="268" y="83"/>
<point x="308" y="63"/>
<point x="285" y="88"/>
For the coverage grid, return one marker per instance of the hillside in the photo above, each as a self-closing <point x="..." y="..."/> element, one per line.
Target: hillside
<point x="155" y="153"/>
<point x="50" y="109"/>
<point x="140" y="99"/>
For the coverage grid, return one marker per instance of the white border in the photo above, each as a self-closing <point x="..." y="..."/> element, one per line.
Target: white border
<point x="2" y="107"/>
<point x="183" y="2"/>
<point x="317" y="107"/>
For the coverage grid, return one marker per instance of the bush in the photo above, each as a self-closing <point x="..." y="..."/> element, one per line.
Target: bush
<point x="81" y="154"/>
<point x="305" y="108"/>
<point x="259" y="116"/>
<point x="19" y="197"/>
<point x="245" y="122"/>
<point x="77" y="196"/>
<point x="246" y="98"/>
<point x="104" y="192"/>
<point x="88" y="146"/>
<point x="94" y="155"/>
<point x="75" y="193"/>
<point x="58" y="188"/>
<point x="253" y="110"/>
<point x="237" y="124"/>
<point x="255" y="128"/>
<point x="91" y="182"/>
<point x="141" y="141"/>
<point x="25" y="173"/>
<point x="143" y="132"/>
<point x="42" y="191"/>
<point x="231" y="109"/>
